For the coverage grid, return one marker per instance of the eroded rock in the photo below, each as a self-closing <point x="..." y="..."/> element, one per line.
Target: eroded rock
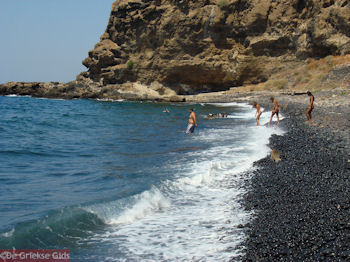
<point x="207" y="45"/>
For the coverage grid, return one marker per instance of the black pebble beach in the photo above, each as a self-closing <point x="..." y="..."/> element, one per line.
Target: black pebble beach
<point x="301" y="204"/>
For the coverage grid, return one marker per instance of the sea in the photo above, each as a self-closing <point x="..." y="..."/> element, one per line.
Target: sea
<point x="122" y="181"/>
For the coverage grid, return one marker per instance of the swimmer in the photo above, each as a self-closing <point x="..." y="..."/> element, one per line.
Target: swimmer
<point x="192" y="122"/>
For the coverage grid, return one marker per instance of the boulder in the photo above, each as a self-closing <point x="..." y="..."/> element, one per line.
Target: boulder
<point x="276" y="155"/>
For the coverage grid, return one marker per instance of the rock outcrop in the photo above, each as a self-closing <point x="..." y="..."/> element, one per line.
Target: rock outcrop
<point x="88" y="89"/>
<point x="206" y="45"/>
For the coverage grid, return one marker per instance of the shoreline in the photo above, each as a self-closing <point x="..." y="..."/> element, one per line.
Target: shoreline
<point x="301" y="204"/>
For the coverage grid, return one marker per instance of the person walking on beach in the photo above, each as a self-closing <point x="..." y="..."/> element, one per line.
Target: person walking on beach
<point x="311" y="106"/>
<point x="257" y="113"/>
<point x="192" y="122"/>
<point x="275" y="110"/>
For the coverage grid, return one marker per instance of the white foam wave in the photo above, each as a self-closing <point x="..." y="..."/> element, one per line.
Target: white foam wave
<point x="195" y="216"/>
<point x="204" y="176"/>
<point x="13" y="95"/>
<point x="51" y="99"/>
<point x="247" y="115"/>
<point x="9" y="233"/>
<point x="231" y="104"/>
<point x="146" y="204"/>
<point x="130" y="209"/>
<point x="110" y="100"/>
<point x="264" y="118"/>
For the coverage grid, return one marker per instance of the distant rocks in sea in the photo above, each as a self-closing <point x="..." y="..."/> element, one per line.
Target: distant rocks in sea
<point x="88" y="89"/>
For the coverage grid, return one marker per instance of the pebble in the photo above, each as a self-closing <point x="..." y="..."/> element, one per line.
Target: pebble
<point x="301" y="205"/>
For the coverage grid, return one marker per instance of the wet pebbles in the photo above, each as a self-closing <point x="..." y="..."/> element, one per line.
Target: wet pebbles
<point x="301" y="204"/>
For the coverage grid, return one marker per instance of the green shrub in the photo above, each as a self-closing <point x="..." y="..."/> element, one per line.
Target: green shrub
<point x="130" y="64"/>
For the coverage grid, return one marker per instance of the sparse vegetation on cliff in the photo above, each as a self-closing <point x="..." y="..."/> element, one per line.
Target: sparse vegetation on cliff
<point x="130" y="64"/>
<point x="223" y="3"/>
<point x="314" y="74"/>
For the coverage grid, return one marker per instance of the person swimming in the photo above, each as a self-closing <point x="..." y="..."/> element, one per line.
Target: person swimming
<point x="216" y="115"/>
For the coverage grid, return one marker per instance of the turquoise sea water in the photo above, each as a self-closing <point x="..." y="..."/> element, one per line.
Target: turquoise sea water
<point x="121" y="181"/>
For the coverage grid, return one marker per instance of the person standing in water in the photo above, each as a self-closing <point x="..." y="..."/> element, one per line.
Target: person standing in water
<point x="275" y="110"/>
<point x="192" y="122"/>
<point x="311" y="106"/>
<point x="258" y="112"/>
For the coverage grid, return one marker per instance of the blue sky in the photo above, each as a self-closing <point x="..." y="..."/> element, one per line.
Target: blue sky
<point x="46" y="40"/>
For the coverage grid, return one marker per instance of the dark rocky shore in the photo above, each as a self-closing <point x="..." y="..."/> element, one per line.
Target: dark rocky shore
<point x="302" y="203"/>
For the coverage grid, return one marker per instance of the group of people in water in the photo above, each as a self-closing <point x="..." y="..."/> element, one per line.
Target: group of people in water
<point x="275" y="109"/>
<point x="192" y="121"/>
<point x="216" y="115"/>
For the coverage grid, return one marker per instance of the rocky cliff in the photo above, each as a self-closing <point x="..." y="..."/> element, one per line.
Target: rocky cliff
<point x="210" y="45"/>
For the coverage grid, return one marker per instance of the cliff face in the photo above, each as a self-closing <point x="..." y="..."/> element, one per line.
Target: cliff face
<point x="208" y="45"/>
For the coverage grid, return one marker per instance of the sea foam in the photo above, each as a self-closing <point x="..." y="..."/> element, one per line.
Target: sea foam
<point x="196" y="215"/>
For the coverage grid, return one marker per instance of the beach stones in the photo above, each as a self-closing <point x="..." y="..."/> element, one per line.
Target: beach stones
<point x="301" y="204"/>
